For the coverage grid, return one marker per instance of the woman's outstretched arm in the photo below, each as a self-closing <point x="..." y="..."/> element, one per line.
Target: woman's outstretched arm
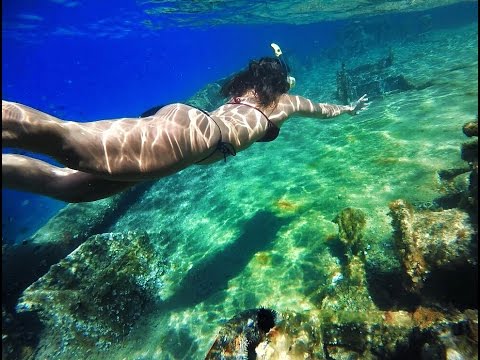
<point x="32" y="175"/>
<point x="294" y="104"/>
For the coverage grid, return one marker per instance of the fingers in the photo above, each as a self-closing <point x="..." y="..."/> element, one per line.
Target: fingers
<point x="362" y="109"/>
<point x="360" y="105"/>
<point x="363" y="102"/>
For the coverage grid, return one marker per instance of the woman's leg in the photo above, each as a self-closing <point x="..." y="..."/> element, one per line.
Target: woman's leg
<point x="31" y="175"/>
<point x="127" y="149"/>
<point x="26" y="128"/>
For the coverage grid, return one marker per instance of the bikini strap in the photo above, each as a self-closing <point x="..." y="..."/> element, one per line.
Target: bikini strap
<point x="222" y="146"/>
<point x="226" y="149"/>
<point x="237" y="101"/>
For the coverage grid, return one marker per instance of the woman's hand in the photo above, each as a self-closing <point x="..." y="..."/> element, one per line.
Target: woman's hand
<point x="359" y="105"/>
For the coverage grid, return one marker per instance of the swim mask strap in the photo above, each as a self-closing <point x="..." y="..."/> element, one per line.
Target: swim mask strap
<point x="278" y="53"/>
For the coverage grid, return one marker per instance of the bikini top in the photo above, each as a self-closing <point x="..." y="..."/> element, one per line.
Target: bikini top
<point x="272" y="130"/>
<point x="225" y="148"/>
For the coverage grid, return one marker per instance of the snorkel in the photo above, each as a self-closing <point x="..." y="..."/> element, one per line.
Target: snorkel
<point x="278" y="53"/>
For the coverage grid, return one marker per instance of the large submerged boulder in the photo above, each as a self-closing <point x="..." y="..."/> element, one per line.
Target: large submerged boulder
<point x="429" y="242"/>
<point x="93" y="296"/>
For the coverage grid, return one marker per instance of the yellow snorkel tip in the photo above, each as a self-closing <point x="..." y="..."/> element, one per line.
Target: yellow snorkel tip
<point x="276" y="49"/>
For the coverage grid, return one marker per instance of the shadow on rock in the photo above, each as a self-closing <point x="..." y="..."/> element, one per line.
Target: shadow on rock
<point x="213" y="274"/>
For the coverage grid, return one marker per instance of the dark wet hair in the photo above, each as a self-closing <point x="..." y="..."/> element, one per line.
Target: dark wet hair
<point x="267" y="77"/>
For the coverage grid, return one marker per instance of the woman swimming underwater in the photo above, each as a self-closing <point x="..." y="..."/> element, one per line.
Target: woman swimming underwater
<point x="105" y="157"/>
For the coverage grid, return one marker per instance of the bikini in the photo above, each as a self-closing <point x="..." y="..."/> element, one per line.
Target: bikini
<point x="271" y="133"/>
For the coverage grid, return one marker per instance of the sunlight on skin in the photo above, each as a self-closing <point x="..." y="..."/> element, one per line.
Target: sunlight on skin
<point x="176" y="137"/>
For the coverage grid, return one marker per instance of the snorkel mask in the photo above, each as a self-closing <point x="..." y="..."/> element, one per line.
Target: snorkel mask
<point x="278" y="53"/>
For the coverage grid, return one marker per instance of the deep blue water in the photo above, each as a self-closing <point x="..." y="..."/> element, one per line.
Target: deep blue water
<point x="98" y="75"/>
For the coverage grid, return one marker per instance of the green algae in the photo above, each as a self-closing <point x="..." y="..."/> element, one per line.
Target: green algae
<point x="351" y="224"/>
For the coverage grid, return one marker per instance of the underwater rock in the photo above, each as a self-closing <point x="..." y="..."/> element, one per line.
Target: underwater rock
<point x="348" y="339"/>
<point x="450" y="174"/>
<point x="294" y="337"/>
<point x="77" y="222"/>
<point x="74" y="221"/>
<point x="471" y="128"/>
<point x="25" y="262"/>
<point x="240" y="335"/>
<point x="352" y="289"/>
<point x="473" y="193"/>
<point x="355" y="272"/>
<point x="397" y="335"/>
<point x="453" y="338"/>
<point x="456" y="191"/>
<point x="351" y="224"/>
<point x="470" y="151"/>
<point x="430" y="241"/>
<point x="424" y="333"/>
<point x="93" y="296"/>
<point x="19" y="335"/>
<point x="350" y="294"/>
<point x="461" y="185"/>
<point x="286" y="336"/>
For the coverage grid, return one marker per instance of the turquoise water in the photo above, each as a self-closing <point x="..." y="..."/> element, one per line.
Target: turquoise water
<point x="255" y="231"/>
<point x="315" y="169"/>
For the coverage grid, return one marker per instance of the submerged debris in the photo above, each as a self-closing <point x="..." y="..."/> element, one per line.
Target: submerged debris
<point x="374" y="79"/>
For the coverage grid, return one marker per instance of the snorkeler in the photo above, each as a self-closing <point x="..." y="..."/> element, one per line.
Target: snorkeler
<point x="105" y="157"/>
